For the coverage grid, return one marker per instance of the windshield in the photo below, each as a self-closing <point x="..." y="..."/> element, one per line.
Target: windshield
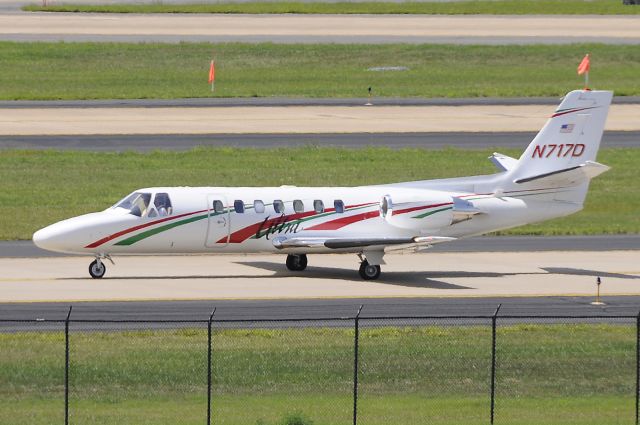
<point x="136" y="203"/>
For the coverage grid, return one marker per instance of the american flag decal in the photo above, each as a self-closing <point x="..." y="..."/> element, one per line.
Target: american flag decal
<point x="566" y="128"/>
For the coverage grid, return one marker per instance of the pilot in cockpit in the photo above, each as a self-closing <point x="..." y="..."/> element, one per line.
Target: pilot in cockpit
<point x="163" y="204"/>
<point x="139" y="204"/>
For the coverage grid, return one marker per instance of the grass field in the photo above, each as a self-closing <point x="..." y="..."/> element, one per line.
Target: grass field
<point x="546" y="374"/>
<point x="493" y="7"/>
<point x="41" y="187"/>
<point x="121" y="70"/>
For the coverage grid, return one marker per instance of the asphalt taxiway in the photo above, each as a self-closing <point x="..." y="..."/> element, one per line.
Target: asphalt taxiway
<point x="319" y="308"/>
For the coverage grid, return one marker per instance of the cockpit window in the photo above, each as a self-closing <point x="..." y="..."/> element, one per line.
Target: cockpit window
<point x="163" y="204"/>
<point x="137" y="203"/>
<point x="127" y="201"/>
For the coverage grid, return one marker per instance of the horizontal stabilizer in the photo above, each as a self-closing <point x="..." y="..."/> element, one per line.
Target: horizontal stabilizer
<point x="571" y="176"/>
<point x="342" y="243"/>
<point x="503" y="162"/>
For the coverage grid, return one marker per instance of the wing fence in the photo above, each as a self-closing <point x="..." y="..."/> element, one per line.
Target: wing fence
<point x="347" y="370"/>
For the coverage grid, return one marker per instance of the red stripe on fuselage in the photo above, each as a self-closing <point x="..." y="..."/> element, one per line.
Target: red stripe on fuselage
<point x="138" y="227"/>
<point x="245" y="233"/>
<point x="344" y="221"/>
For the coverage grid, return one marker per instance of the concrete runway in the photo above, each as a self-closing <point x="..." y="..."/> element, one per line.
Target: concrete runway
<point x="477" y="29"/>
<point x="181" y="142"/>
<point x="301" y="119"/>
<point x="477" y="274"/>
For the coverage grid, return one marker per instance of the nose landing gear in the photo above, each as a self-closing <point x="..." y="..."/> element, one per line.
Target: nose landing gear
<point x="97" y="269"/>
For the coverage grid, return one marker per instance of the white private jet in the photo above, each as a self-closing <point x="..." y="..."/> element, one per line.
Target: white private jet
<point x="549" y="180"/>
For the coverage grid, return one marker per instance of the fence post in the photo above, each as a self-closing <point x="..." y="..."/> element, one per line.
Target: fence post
<point x="637" y="366"/>
<point x="66" y="367"/>
<point x="209" y="366"/>
<point x="494" y="319"/>
<point x="355" y="365"/>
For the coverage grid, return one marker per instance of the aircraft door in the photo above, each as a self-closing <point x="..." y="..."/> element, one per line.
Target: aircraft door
<point x="219" y="221"/>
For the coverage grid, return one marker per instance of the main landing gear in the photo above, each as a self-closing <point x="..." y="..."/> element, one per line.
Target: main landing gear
<point x="369" y="271"/>
<point x="369" y="266"/>
<point x="296" y="263"/>
<point x="97" y="269"/>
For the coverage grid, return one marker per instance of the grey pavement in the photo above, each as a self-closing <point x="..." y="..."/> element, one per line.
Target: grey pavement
<point x="146" y="143"/>
<point x="26" y="249"/>
<point x="317" y="309"/>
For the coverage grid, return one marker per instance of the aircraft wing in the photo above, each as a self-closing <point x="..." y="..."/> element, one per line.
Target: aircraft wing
<point x="342" y="243"/>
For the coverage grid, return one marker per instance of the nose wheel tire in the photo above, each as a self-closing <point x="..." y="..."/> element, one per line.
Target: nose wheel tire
<point x="369" y="272"/>
<point x="97" y="269"/>
<point x="296" y="263"/>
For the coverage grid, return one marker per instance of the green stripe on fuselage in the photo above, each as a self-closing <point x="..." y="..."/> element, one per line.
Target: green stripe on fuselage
<point x="423" y="215"/>
<point x="146" y="234"/>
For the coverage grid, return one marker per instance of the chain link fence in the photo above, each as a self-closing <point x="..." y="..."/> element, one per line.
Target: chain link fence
<point x="354" y="370"/>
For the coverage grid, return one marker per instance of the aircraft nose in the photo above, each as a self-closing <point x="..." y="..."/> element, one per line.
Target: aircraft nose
<point x="50" y="238"/>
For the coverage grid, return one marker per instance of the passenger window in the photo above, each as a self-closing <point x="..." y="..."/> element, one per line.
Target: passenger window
<point x="318" y="206"/>
<point x="218" y="206"/>
<point x="339" y="206"/>
<point x="278" y="206"/>
<point x="298" y="206"/>
<point x="163" y="204"/>
<point x="238" y="206"/>
<point x="258" y="206"/>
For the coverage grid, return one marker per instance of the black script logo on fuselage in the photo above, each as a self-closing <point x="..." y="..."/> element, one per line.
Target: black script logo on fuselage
<point x="279" y="225"/>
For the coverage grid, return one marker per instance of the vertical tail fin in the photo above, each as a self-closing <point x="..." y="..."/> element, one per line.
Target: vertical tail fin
<point x="570" y="138"/>
<point x="562" y="157"/>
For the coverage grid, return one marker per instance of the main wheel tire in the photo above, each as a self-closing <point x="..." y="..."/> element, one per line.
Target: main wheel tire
<point x="369" y="272"/>
<point x="296" y="263"/>
<point x="97" y="270"/>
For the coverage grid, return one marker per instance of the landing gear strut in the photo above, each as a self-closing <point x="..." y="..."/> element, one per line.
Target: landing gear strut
<point x="296" y="263"/>
<point x="368" y="271"/>
<point x="97" y="269"/>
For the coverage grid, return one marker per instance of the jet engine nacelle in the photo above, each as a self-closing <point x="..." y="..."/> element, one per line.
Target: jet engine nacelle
<point x="409" y="212"/>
